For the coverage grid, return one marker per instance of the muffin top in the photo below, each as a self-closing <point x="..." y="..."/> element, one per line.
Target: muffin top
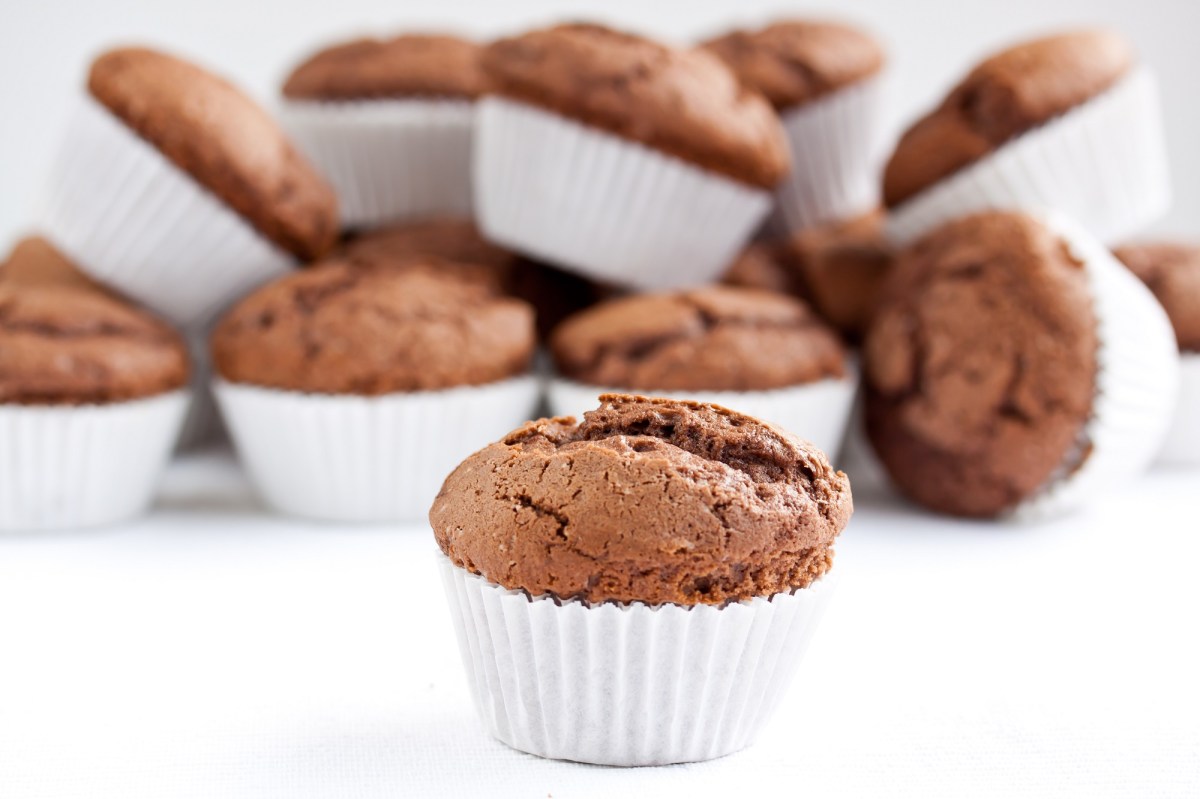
<point x="686" y="103"/>
<point x="65" y="342"/>
<point x="1008" y="94"/>
<point x="227" y="143"/>
<point x="1172" y="272"/>
<point x="980" y="365"/>
<point x="761" y="266"/>
<point x="338" y="328"/>
<point x="413" y="65"/>
<point x="793" y="62"/>
<point x="717" y="338"/>
<point x="645" y="500"/>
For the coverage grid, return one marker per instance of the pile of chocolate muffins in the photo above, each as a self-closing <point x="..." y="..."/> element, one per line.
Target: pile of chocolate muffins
<point x="433" y="238"/>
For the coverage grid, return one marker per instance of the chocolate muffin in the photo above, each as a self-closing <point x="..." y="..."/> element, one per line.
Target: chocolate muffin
<point x="762" y="266"/>
<point x="34" y="261"/>
<point x="1172" y="273"/>
<point x="981" y="365"/>
<point x="645" y="500"/>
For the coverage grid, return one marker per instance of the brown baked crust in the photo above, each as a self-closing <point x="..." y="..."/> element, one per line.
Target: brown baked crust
<point x="717" y="338"/>
<point x="229" y="145"/>
<point x="645" y="500"/>
<point x="412" y="65"/>
<point x="980" y="365"/>
<point x="761" y="266"/>
<point x="339" y="328"/>
<point x="1172" y="273"/>
<point x="1010" y="93"/>
<point x="686" y="103"/>
<point x="64" y="341"/>
<point x="793" y="62"/>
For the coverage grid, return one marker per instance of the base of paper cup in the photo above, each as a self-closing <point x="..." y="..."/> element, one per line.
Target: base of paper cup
<point x="817" y="412"/>
<point x="1182" y="444"/>
<point x="627" y="685"/>
<point x="84" y="466"/>
<point x="133" y="220"/>
<point x="365" y="459"/>
<point x="1104" y="164"/>
<point x="1137" y="380"/>
<point x="605" y="207"/>
<point x="834" y="142"/>
<point x="389" y="160"/>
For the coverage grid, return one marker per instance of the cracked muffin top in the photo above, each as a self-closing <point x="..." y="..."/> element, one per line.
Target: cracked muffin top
<point x="65" y="341"/>
<point x="717" y="338"/>
<point x="413" y="65"/>
<point x="645" y="500"/>
<point x="980" y="365"/>
<point x="1008" y="94"/>
<point x="683" y="102"/>
<point x="1172" y="273"/>
<point x="340" y="328"/>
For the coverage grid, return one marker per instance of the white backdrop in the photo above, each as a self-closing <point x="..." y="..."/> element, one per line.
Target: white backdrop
<point x="45" y="47"/>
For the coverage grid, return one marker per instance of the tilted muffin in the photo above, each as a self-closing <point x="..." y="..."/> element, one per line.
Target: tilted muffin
<point x="1069" y="122"/>
<point x="176" y="189"/>
<point x="1172" y="273"/>
<point x="763" y="354"/>
<point x="823" y="79"/>
<point x="712" y="530"/>
<point x="390" y="121"/>
<point x="1014" y="366"/>
<point x="86" y="381"/>
<point x="620" y="158"/>
<point x="350" y="390"/>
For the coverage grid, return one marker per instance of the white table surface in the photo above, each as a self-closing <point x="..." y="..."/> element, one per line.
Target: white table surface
<point x="213" y="650"/>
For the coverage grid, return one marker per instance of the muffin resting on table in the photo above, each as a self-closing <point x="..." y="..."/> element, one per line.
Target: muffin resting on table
<point x="1172" y="273"/>
<point x="390" y="122"/>
<point x="663" y="532"/>
<point x="824" y="80"/>
<point x="91" y="396"/>
<point x="1069" y="122"/>
<point x="1014" y="366"/>
<point x="350" y="391"/>
<point x="176" y="189"/>
<point x="763" y="354"/>
<point x="626" y="160"/>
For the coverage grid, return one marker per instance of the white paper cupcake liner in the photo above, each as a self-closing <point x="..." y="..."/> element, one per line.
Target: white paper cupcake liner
<point x="133" y="220"/>
<point x="365" y="459"/>
<point x="389" y="160"/>
<point x="834" y="144"/>
<point x="817" y="412"/>
<point x="1182" y="444"/>
<point x="1137" y="380"/>
<point x="610" y="209"/>
<point x="627" y="685"/>
<point x="83" y="466"/>
<point x="1104" y="164"/>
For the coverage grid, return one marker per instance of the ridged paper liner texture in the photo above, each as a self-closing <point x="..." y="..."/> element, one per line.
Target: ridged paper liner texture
<point x="1104" y="164"/>
<point x="389" y="160"/>
<point x="365" y="459"/>
<point x="627" y="685"/>
<point x="834" y="142"/>
<point x="607" y="208"/>
<point x="817" y="412"/>
<point x="124" y="213"/>
<point x="1182" y="443"/>
<point x="85" y="465"/>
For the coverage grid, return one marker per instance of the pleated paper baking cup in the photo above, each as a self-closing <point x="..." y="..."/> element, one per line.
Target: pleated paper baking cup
<point x="85" y="465"/>
<point x="627" y="685"/>
<point x="817" y="412"/>
<point x="133" y="220"/>
<point x="1137" y="380"/>
<point x="388" y="160"/>
<point x="834" y="143"/>
<point x="1104" y="164"/>
<point x="607" y="208"/>
<point x="365" y="459"/>
<point x="1182" y="445"/>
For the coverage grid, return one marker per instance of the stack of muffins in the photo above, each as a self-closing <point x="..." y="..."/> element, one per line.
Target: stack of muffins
<point x="692" y="238"/>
